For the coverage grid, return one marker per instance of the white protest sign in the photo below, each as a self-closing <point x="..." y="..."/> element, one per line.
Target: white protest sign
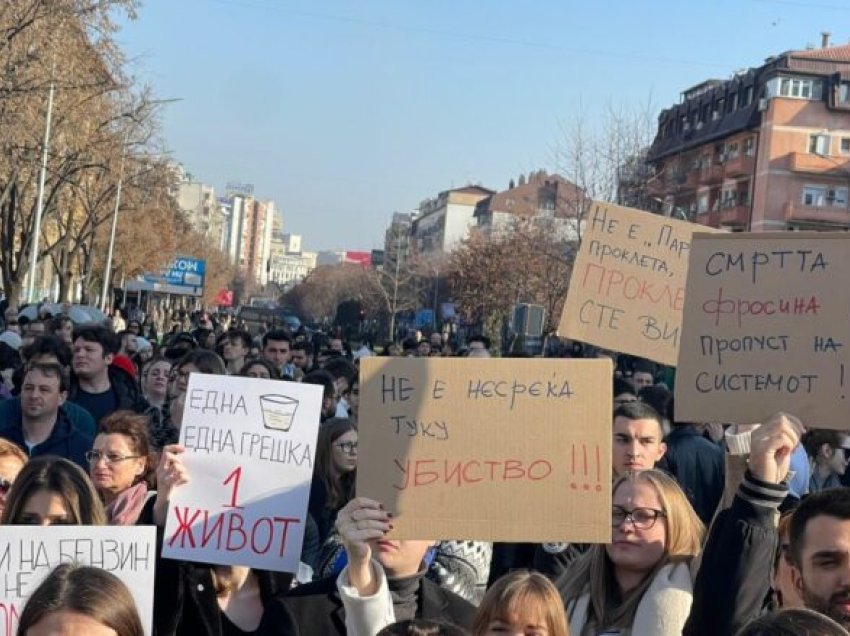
<point x="250" y="447"/>
<point x="29" y="553"/>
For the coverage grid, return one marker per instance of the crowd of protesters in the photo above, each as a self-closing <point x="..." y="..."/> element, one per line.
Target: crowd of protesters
<point x="716" y="529"/>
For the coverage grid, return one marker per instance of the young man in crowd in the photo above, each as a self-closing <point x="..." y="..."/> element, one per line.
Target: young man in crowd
<point x="277" y="346"/>
<point x="344" y="373"/>
<point x="302" y="356"/>
<point x="97" y="385"/>
<point x="828" y="461"/>
<point x="638" y="438"/>
<point x="643" y="375"/>
<point x="237" y="347"/>
<point x="43" y="428"/>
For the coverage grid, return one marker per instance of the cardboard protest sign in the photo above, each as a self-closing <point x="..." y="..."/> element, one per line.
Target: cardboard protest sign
<point x="486" y="449"/>
<point x="29" y="553"/>
<point x="766" y="329"/>
<point x="250" y="447"/>
<point x="627" y="287"/>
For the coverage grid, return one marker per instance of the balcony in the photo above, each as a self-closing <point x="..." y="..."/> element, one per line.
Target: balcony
<point x="736" y="216"/>
<point x="739" y="166"/>
<point x="819" y="164"/>
<point x="711" y="174"/>
<point x="831" y="216"/>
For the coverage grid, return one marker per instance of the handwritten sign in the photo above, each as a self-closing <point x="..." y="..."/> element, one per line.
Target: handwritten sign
<point x="627" y="288"/>
<point x="250" y="447"/>
<point x="29" y="553"/>
<point x="766" y="329"/>
<point x="491" y="450"/>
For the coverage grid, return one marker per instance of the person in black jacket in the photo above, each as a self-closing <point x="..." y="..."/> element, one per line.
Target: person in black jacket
<point x="43" y="428"/>
<point x="733" y="581"/>
<point x="98" y="386"/>
<point x="317" y="608"/>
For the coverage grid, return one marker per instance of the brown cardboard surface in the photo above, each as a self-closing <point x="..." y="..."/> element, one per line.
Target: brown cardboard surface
<point x="766" y="329"/>
<point x="429" y="427"/>
<point x="627" y="287"/>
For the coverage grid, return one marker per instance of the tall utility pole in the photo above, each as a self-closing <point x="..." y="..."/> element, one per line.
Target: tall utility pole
<point x="39" y="207"/>
<point x="395" y="281"/>
<point x="107" y="272"/>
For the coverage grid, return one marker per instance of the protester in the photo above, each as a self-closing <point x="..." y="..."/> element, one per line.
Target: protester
<point x="76" y="599"/>
<point x="197" y="361"/>
<point x="479" y="347"/>
<point x="794" y="622"/>
<point x="398" y="571"/>
<point x="638" y="436"/>
<point x="53" y="491"/>
<point x="260" y="368"/>
<point x="97" y="385"/>
<point x="642" y="581"/>
<point x="335" y="473"/>
<point x="643" y="375"/>
<point x="12" y="461"/>
<point x="120" y="466"/>
<point x="210" y="600"/>
<point x="827" y="458"/>
<point x="344" y="373"/>
<point x="521" y="603"/>
<point x="154" y="385"/>
<point x="624" y="392"/>
<point x="421" y="627"/>
<point x="329" y="398"/>
<point x="302" y="357"/>
<point x="277" y="347"/>
<point x="43" y="428"/>
<point x="237" y="348"/>
<point x="63" y="328"/>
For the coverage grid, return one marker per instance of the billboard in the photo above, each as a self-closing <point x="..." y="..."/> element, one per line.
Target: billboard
<point x="185" y="276"/>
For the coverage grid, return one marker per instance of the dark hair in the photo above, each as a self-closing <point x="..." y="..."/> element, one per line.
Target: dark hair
<point x="241" y="334"/>
<point x="48" y="345"/>
<point x="644" y="366"/>
<point x="58" y="321"/>
<point x="793" y="622"/>
<point x="323" y="379"/>
<point x="622" y="385"/>
<point x="62" y="477"/>
<point x="278" y="335"/>
<point x="53" y="370"/>
<point x="637" y="411"/>
<point x="834" y="502"/>
<point x="339" y="488"/>
<point x="205" y="360"/>
<point x="657" y="396"/>
<point x="274" y="374"/>
<point x="409" y="344"/>
<point x="817" y="437"/>
<point x="86" y="590"/>
<point x="135" y="428"/>
<point x="304" y="346"/>
<point x="480" y="338"/>
<point x="100" y="335"/>
<point x="422" y="627"/>
<point x="341" y="368"/>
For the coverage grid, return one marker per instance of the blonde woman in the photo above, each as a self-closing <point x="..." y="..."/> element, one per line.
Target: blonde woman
<point x="640" y="583"/>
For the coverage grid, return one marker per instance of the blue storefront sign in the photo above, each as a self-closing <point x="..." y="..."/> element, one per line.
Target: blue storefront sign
<point x="185" y="276"/>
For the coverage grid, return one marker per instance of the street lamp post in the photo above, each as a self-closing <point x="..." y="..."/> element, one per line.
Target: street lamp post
<point x="395" y="283"/>
<point x="107" y="272"/>
<point x="39" y="206"/>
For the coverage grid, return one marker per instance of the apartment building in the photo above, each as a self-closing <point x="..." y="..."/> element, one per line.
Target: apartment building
<point x="767" y="150"/>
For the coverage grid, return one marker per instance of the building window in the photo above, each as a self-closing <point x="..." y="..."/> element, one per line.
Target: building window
<point x="750" y="146"/>
<point x="733" y="102"/>
<point x="801" y="88"/>
<point x="844" y="93"/>
<point x="732" y="150"/>
<point x="747" y="97"/>
<point x="702" y="203"/>
<point x="814" y="196"/>
<point x="819" y="144"/>
<point x="837" y="197"/>
<point x="845" y="145"/>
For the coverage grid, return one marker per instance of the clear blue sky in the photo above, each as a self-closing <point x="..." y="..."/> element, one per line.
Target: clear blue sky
<point x="344" y="111"/>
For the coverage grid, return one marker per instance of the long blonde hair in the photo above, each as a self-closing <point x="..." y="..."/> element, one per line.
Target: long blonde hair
<point x="526" y="594"/>
<point x="593" y="572"/>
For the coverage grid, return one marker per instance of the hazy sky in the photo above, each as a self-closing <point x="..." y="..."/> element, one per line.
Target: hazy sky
<point x="345" y="111"/>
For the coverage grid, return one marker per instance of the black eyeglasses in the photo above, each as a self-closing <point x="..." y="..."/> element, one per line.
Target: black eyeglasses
<point x="641" y="518"/>
<point x="110" y="458"/>
<point x="347" y="447"/>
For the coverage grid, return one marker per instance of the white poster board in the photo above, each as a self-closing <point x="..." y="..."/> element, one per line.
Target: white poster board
<point x="29" y="553"/>
<point x="250" y="447"/>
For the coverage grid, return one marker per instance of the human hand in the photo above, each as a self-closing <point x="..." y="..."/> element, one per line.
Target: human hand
<point x="170" y="473"/>
<point x="360" y="521"/>
<point x="771" y="446"/>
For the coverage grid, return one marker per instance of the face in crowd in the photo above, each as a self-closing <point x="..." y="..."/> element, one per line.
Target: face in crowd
<point x="277" y="352"/>
<point x="155" y="378"/>
<point x="41" y="394"/>
<point x="637" y="443"/>
<point x="115" y="464"/>
<point x="344" y="454"/>
<point x="90" y="360"/>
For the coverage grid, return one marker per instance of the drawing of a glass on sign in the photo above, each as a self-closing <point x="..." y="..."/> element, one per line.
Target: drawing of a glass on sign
<point x="278" y="411"/>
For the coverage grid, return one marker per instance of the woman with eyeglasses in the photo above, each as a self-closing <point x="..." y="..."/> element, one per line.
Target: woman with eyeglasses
<point x="640" y="583"/>
<point x="51" y="490"/>
<point x="335" y="473"/>
<point x="120" y="466"/>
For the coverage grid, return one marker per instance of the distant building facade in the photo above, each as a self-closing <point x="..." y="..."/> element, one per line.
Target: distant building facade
<point x="446" y="220"/>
